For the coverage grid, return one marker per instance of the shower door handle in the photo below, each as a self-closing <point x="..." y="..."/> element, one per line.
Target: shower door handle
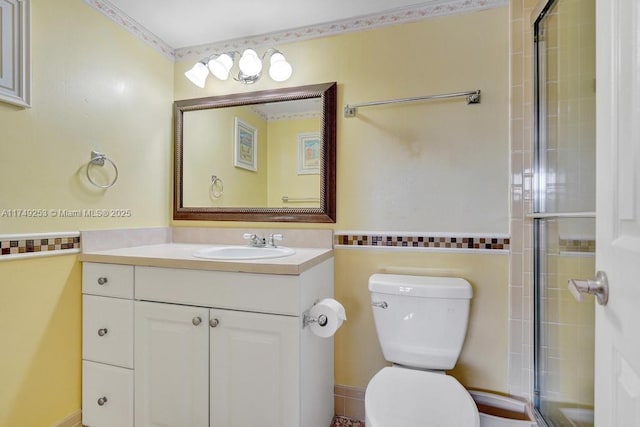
<point x="598" y="287"/>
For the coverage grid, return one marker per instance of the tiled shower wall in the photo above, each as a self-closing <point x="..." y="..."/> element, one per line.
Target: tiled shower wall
<point x="521" y="268"/>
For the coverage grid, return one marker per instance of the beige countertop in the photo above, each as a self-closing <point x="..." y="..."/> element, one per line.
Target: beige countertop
<point x="179" y="255"/>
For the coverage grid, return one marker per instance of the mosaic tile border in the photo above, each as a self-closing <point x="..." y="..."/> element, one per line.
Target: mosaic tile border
<point x="38" y="244"/>
<point x="423" y="241"/>
<point x="577" y="245"/>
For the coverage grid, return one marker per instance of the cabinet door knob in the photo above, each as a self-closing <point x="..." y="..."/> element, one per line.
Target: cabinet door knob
<point x="102" y="400"/>
<point x="102" y="281"/>
<point x="214" y="322"/>
<point x="102" y="331"/>
<point x="196" y="320"/>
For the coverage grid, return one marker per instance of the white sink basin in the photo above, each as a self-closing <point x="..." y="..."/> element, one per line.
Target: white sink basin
<point x="242" y="252"/>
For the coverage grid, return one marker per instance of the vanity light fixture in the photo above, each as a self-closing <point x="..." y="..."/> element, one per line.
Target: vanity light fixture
<point x="249" y="67"/>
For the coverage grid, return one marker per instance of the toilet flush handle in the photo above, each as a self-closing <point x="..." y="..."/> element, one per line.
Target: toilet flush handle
<point x="381" y="304"/>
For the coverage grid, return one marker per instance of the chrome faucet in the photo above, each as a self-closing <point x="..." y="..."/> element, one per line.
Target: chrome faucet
<point x="256" y="241"/>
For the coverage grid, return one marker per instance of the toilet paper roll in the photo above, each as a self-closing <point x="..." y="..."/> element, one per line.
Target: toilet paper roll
<point x="335" y="315"/>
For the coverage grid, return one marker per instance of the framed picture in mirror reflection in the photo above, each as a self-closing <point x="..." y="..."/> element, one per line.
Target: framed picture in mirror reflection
<point x="245" y="146"/>
<point x="309" y="153"/>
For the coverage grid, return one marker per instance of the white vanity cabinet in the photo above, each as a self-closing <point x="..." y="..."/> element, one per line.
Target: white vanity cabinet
<point x="228" y="349"/>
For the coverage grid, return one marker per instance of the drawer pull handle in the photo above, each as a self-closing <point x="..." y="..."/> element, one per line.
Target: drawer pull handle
<point x="214" y="322"/>
<point x="102" y="281"/>
<point x="102" y="401"/>
<point x="103" y="331"/>
<point x="196" y="320"/>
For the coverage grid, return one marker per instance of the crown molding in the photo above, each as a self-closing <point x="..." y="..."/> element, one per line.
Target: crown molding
<point x="397" y="16"/>
<point x="125" y="21"/>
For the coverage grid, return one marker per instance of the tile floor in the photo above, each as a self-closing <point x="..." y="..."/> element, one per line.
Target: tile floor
<point x="339" y="421"/>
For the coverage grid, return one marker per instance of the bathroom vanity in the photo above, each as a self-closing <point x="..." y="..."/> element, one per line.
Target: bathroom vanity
<point x="173" y="340"/>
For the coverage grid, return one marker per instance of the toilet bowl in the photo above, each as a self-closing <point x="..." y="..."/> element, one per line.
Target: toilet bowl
<point x="421" y="323"/>
<point x="403" y="397"/>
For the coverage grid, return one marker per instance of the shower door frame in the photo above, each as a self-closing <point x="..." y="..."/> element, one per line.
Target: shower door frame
<point x="539" y="200"/>
<point x="540" y="215"/>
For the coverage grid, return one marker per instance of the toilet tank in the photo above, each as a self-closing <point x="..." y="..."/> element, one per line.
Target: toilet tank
<point x="421" y="321"/>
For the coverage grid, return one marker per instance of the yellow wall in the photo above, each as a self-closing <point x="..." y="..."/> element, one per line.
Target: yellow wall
<point x="95" y="86"/>
<point x="40" y="318"/>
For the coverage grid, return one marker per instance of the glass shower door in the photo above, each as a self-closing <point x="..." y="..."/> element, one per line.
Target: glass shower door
<point x="564" y="219"/>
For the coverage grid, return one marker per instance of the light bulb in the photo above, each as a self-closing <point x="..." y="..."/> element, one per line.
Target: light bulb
<point x="221" y="66"/>
<point x="249" y="63"/>
<point x="280" y="70"/>
<point x="198" y="74"/>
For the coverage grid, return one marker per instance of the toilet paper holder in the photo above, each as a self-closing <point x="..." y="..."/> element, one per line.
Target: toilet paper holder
<point x="308" y="319"/>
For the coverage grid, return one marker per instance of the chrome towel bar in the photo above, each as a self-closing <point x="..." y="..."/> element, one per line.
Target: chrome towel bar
<point x="287" y="199"/>
<point x="473" y="97"/>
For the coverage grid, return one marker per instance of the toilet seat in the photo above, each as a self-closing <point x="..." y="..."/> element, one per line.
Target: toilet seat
<point x="409" y="398"/>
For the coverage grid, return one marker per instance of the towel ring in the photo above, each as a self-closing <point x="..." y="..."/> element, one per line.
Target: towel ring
<point x="98" y="159"/>
<point x="216" y="187"/>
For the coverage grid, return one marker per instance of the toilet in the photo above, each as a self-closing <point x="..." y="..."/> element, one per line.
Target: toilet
<point x="421" y="324"/>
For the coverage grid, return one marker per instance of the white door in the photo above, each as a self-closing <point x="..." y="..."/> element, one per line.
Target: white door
<point x="171" y="365"/>
<point x="254" y="369"/>
<point x="617" y="377"/>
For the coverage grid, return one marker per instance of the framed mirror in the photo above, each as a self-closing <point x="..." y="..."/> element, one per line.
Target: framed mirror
<point x="257" y="156"/>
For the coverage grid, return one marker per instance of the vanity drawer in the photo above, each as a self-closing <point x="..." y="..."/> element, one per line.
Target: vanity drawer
<point x="107" y="395"/>
<point x="107" y="330"/>
<point x="265" y="293"/>
<point x="111" y="280"/>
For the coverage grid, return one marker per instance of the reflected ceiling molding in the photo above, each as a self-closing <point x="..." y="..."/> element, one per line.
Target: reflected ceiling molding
<point x="132" y="26"/>
<point x="414" y="13"/>
<point x="286" y="116"/>
<point x="294" y="116"/>
<point x="289" y="110"/>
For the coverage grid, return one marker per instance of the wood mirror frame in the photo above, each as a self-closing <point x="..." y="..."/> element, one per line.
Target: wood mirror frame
<point x="326" y="213"/>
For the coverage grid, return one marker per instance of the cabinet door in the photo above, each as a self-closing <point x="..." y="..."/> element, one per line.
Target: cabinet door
<point x="254" y="370"/>
<point x="171" y="365"/>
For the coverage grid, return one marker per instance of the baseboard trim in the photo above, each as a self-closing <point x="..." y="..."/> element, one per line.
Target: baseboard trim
<point x="72" y="420"/>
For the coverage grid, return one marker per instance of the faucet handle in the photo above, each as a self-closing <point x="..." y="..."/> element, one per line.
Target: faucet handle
<point x="254" y="240"/>
<point x="273" y="238"/>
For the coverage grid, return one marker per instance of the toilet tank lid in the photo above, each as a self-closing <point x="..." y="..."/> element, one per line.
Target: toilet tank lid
<point x="421" y="286"/>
